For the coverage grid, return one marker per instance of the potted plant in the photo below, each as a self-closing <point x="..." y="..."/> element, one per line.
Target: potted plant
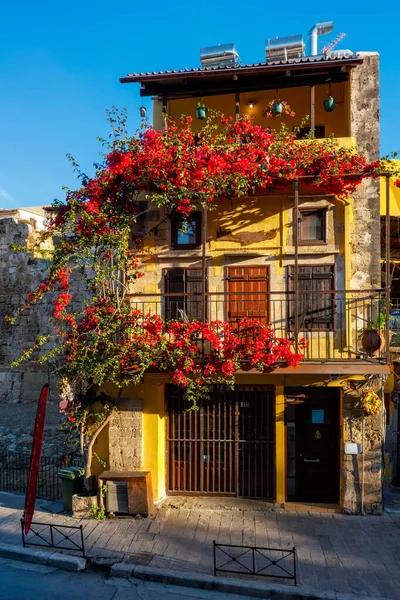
<point x="201" y="110"/>
<point x="372" y="339"/>
<point x="329" y="104"/>
<point x="278" y="108"/>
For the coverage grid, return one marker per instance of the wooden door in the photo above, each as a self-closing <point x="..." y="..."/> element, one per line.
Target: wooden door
<point x="247" y="293"/>
<point x="317" y="447"/>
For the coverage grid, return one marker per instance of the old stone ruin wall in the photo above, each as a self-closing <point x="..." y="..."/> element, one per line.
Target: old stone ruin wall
<point x="20" y="387"/>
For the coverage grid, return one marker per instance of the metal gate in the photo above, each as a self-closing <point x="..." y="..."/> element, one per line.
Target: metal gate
<point x="227" y="446"/>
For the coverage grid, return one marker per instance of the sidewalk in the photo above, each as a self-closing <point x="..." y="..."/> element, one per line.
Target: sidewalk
<point x="355" y="555"/>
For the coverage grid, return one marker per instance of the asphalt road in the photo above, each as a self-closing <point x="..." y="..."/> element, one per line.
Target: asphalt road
<point x="20" y="581"/>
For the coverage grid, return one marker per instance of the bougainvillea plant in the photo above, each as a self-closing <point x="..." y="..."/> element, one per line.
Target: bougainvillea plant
<point x="370" y="402"/>
<point x="105" y="340"/>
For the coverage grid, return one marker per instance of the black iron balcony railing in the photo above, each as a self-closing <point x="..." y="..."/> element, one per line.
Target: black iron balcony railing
<point x="332" y="322"/>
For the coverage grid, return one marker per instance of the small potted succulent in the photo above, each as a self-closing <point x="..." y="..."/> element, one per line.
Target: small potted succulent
<point x="329" y="104"/>
<point x="372" y="339"/>
<point x="201" y="110"/>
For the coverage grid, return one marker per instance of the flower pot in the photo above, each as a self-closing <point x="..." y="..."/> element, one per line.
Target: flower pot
<point x="277" y="108"/>
<point x="201" y="113"/>
<point x="372" y="342"/>
<point x="81" y="504"/>
<point x="329" y="104"/>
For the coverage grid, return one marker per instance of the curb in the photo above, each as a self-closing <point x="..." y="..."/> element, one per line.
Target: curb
<point x="52" y="559"/>
<point x="231" y="586"/>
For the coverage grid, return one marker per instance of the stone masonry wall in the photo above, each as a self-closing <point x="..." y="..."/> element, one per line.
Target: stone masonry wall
<point x="352" y="464"/>
<point x="125" y="436"/>
<point x="364" y="125"/>
<point x="20" y="387"/>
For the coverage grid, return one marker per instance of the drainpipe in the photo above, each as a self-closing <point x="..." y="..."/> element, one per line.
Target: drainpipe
<point x="363" y="463"/>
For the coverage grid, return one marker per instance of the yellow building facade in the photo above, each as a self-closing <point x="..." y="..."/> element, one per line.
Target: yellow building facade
<point x="293" y="435"/>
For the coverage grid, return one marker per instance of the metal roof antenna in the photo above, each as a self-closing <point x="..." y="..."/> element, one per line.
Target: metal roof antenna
<point x="329" y="47"/>
<point x="315" y="31"/>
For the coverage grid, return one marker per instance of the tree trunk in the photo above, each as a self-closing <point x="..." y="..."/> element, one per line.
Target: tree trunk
<point x="89" y="454"/>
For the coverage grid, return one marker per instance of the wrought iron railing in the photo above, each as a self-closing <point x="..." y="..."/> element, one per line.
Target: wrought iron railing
<point x="395" y="323"/>
<point x="49" y="535"/>
<point x="278" y="563"/>
<point x="331" y="321"/>
<point x="14" y="473"/>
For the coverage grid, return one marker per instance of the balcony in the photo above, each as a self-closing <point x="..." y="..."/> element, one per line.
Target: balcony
<point x="331" y="321"/>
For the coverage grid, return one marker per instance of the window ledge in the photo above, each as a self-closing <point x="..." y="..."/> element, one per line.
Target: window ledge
<point x="318" y="249"/>
<point x="180" y="254"/>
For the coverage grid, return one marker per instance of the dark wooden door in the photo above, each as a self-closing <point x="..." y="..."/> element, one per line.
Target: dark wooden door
<point x="246" y="293"/>
<point x="317" y="447"/>
<point x="227" y="446"/>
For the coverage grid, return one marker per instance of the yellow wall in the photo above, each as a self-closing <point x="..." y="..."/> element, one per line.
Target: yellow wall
<point x="154" y="450"/>
<point x="394" y="195"/>
<point x="153" y="431"/>
<point x="336" y="122"/>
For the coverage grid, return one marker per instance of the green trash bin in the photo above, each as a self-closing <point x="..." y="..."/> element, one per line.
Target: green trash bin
<point x="71" y="483"/>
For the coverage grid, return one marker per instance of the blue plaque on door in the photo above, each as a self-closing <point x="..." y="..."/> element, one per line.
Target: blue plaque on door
<point x="317" y="415"/>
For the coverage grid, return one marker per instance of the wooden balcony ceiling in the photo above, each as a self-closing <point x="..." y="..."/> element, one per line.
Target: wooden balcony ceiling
<point x="208" y="81"/>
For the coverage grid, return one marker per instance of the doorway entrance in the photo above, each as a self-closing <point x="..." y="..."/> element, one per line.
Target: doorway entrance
<point x="227" y="446"/>
<point x="313" y="444"/>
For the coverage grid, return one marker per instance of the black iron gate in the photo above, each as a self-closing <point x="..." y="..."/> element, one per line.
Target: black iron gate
<point x="227" y="446"/>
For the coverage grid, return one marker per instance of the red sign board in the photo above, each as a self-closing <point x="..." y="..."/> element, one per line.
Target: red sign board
<point x="35" y="458"/>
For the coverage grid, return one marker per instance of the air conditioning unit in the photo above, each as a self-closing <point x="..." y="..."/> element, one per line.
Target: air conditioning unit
<point x="117" y="497"/>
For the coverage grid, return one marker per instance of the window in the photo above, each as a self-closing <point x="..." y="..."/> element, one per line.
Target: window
<point x="316" y="306"/>
<point x="312" y="226"/>
<point x="187" y="284"/>
<point x="186" y="232"/>
<point x="319" y="132"/>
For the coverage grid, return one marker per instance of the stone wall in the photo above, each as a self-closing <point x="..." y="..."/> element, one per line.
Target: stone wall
<point x="20" y="387"/>
<point x="125" y="436"/>
<point x="364" y="125"/>
<point x="352" y="467"/>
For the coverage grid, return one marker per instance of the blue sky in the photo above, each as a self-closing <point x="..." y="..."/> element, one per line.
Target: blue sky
<point x="60" y="64"/>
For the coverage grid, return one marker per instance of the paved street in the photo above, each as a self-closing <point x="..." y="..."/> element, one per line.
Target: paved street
<point x="359" y="555"/>
<point x="19" y="581"/>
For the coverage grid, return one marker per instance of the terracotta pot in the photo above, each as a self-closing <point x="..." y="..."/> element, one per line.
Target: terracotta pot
<point x="372" y="342"/>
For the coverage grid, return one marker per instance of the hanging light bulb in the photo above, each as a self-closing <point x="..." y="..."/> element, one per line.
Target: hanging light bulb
<point x="142" y="111"/>
<point x="251" y="104"/>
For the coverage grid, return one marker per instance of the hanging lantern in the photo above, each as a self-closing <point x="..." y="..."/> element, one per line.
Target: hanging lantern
<point x="142" y="111"/>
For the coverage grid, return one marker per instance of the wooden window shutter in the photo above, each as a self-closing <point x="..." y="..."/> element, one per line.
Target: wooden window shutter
<point x="316" y="306"/>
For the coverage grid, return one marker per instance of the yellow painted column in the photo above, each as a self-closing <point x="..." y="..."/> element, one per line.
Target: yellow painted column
<point x="280" y="444"/>
<point x="348" y="217"/>
<point x="154" y="436"/>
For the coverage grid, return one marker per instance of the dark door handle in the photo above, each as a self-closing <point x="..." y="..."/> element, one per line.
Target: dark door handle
<point x="313" y="460"/>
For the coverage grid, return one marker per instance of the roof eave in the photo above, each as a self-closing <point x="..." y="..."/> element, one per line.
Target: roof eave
<point x="243" y="70"/>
